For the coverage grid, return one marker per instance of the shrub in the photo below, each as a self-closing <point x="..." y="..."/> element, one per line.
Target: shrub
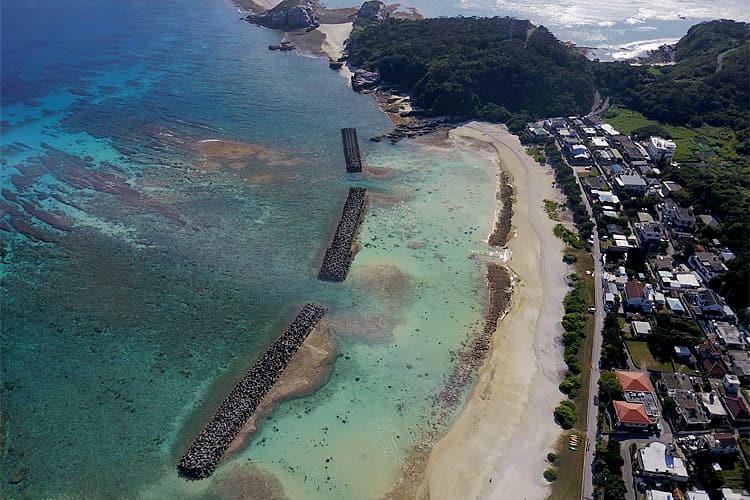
<point x="552" y="458"/>
<point x="565" y="415"/>
<point x="550" y="475"/>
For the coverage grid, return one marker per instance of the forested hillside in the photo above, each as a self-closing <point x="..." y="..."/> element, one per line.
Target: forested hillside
<point x="710" y="82"/>
<point x="495" y="69"/>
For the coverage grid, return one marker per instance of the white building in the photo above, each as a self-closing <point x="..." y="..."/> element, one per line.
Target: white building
<point x="659" y="148"/>
<point x="658" y="461"/>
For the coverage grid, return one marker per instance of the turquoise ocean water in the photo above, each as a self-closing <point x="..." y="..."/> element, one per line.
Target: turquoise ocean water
<point x="163" y="280"/>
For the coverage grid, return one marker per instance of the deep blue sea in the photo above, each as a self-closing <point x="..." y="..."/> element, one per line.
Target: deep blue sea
<point x="141" y="278"/>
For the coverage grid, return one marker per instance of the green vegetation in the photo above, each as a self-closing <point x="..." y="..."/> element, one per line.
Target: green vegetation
<point x="568" y="236"/>
<point x="694" y="90"/>
<point x="571" y="385"/>
<point x="643" y="358"/>
<point x="613" y="346"/>
<point x="552" y="458"/>
<point x="565" y="414"/>
<point x="537" y="153"/>
<point x="496" y="69"/>
<point x="573" y="323"/>
<point x="570" y="467"/>
<point x="550" y="475"/>
<point x="565" y="178"/>
<point x="285" y="5"/>
<point x="608" y="471"/>
<point x="610" y="388"/>
<point x="551" y="208"/>
<point x="671" y="331"/>
<point x="704" y="142"/>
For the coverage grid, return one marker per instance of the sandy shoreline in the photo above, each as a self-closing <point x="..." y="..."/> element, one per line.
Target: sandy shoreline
<point x="497" y="445"/>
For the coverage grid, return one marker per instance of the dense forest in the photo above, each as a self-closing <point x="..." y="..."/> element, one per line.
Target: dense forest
<point x="709" y="83"/>
<point x="492" y="68"/>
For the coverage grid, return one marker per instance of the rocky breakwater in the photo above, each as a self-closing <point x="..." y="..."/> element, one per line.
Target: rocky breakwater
<point x="338" y="257"/>
<point x="206" y="451"/>
<point x="352" y="153"/>
<point x="289" y="15"/>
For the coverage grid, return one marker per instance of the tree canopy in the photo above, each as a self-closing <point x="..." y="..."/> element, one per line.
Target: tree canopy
<point x="490" y="68"/>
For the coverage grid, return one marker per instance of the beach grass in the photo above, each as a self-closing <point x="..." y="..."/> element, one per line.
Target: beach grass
<point x="643" y="358"/>
<point x="693" y="144"/>
<point x="569" y="481"/>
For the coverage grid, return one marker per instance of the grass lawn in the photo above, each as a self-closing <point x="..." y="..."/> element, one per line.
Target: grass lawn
<point x="734" y="478"/>
<point x="570" y="464"/>
<point x="643" y="359"/>
<point x="693" y="144"/>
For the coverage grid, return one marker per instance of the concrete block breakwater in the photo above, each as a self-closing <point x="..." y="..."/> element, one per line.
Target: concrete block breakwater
<point x="206" y="451"/>
<point x="352" y="154"/>
<point x="339" y="255"/>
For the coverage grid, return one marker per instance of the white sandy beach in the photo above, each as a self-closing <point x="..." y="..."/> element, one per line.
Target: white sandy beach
<point x="497" y="446"/>
<point x="333" y="45"/>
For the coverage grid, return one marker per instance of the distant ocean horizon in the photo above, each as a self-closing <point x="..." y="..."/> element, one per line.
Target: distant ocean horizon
<point x="142" y="277"/>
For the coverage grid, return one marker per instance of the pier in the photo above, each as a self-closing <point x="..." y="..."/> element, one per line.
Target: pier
<point x="206" y="451"/>
<point x="339" y="255"/>
<point x="352" y="153"/>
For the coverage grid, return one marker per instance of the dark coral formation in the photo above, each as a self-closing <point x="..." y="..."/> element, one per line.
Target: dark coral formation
<point x="339" y="255"/>
<point x="352" y="154"/>
<point x="499" y="236"/>
<point x="206" y="451"/>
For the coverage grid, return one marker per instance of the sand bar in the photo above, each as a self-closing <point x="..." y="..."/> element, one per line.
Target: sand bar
<point x="497" y="446"/>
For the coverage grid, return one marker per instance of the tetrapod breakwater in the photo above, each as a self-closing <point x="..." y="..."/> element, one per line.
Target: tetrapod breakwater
<point x="339" y="255"/>
<point x="204" y="454"/>
<point x="352" y="153"/>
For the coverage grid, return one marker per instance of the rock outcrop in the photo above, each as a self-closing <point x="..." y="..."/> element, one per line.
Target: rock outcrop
<point x="289" y="15"/>
<point x="363" y="79"/>
<point x="374" y="10"/>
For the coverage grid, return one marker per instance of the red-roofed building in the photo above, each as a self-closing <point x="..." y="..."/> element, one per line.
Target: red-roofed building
<point x="631" y="415"/>
<point x="638" y="296"/>
<point x="633" y="381"/>
<point x="738" y="412"/>
<point x="714" y="368"/>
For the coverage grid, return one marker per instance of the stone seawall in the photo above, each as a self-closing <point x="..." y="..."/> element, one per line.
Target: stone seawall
<point x="206" y="451"/>
<point x="339" y="255"/>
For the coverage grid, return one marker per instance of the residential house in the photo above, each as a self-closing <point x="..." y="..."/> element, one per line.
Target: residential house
<point x="668" y="209"/>
<point x="711" y="403"/>
<point x="650" y="231"/>
<point x="638" y="296"/>
<point x="739" y="414"/>
<point x="683" y="219"/>
<point x="740" y="361"/>
<point x="731" y="385"/>
<point x="633" y="184"/>
<point x="679" y="387"/>
<point x="659" y="462"/>
<point x="536" y="132"/>
<point x="710" y="303"/>
<point x="708" y="265"/>
<point x="728" y="335"/>
<point x="640" y="329"/>
<point x="722" y="444"/>
<point x="659" y="148"/>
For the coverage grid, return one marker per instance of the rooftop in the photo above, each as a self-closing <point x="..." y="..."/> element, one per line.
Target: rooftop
<point x="641" y="327"/>
<point x="631" y="413"/>
<point x="737" y="408"/>
<point x="656" y="458"/>
<point x="634" y="381"/>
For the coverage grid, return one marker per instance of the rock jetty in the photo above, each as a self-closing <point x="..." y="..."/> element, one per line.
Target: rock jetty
<point x="206" y="451"/>
<point x="352" y="153"/>
<point x="339" y="255"/>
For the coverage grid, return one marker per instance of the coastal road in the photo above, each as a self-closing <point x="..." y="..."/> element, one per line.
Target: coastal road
<point x="587" y="492"/>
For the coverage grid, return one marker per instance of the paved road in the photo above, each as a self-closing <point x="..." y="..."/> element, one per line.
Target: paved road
<point x="588" y="487"/>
